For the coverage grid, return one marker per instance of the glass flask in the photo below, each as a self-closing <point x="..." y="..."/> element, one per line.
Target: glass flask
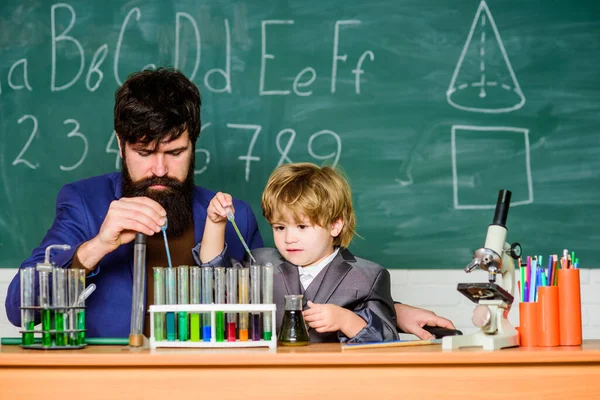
<point x="293" y="329"/>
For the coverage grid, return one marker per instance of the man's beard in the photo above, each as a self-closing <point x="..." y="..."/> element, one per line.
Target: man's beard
<point x="175" y="198"/>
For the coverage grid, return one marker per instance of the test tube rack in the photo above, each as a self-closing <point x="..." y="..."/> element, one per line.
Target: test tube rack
<point x="213" y="308"/>
<point x="62" y="325"/>
<point x="52" y="333"/>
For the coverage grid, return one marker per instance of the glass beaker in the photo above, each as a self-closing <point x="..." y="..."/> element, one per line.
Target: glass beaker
<point x="293" y="329"/>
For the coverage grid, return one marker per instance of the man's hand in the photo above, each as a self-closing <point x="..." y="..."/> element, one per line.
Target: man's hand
<point x="412" y="320"/>
<point x="217" y="208"/>
<point x="333" y="318"/>
<point x="125" y="218"/>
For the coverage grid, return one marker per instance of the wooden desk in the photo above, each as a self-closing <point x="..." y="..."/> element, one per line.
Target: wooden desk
<point x="319" y="371"/>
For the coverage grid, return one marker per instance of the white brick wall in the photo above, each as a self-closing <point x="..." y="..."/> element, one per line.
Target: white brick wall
<point x="431" y="289"/>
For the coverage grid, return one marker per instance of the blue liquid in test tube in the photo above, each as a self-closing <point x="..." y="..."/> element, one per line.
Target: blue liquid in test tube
<point x="207" y="298"/>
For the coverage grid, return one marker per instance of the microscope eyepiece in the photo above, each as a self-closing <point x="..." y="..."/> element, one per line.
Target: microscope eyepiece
<point x="502" y="205"/>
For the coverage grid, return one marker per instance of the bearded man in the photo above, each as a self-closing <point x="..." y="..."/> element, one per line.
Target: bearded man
<point x="157" y="121"/>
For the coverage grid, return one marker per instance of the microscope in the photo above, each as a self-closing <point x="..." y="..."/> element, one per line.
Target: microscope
<point x="493" y="301"/>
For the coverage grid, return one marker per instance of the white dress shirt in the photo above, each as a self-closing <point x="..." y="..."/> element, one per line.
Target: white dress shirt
<point x="308" y="274"/>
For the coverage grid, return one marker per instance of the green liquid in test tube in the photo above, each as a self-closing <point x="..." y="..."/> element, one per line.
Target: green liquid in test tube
<point x="76" y="288"/>
<point x="267" y="291"/>
<point x="195" y="327"/>
<point x="159" y="299"/>
<point x="59" y="288"/>
<point x="27" y="277"/>
<point x="183" y="297"/>
<point x="59" y="325"/>
<point x="28" y="336"/>
<point x="80" y="327"/>
<point x="219" y="299"/>
<point x="79" y="319"/>
<point x="44" y="274"/>
<point x="46" y="327"/>
<point x="195" y="290"/>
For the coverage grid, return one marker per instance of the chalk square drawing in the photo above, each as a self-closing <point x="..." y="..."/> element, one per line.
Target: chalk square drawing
<point x="484" y="80"/>
<point x="487" y="159"/>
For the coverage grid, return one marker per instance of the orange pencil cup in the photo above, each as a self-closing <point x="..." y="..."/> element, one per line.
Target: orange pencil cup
<point x="528" y="324"/>
<point x="548" y="316"/>
<point x="569" y="305"/>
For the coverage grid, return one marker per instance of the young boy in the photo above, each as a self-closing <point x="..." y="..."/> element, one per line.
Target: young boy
<point x="310" y="209"/>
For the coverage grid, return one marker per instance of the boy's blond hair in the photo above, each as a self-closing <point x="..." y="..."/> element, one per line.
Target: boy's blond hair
<point x="320" y="193"/>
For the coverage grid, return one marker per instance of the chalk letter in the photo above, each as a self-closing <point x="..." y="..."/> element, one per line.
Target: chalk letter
<point x="187" y="16"/>
<point x="95" y="67"/>
<point x="264" y="55"/>
<point x="25" y="80"/>
<point x="358" y="70"/>
<point x="60" y="38"/>
<point x="336" y="40"/>
<point x="298" y="84"/>
<point x="120" y="41"/>
<point x="227" y="73"/>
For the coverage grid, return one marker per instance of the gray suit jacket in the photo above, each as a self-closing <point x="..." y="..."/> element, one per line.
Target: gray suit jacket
<point x="349" y="282"/>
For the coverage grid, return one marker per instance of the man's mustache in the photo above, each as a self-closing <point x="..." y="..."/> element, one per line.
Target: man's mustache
<point x="144" y="184"/>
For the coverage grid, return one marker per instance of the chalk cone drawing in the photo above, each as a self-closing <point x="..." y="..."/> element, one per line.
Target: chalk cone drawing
<point x="484" y="80"/>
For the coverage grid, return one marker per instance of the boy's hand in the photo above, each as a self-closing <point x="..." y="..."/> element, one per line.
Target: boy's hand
<point x="218" y="207"/>
<point x="333" y="318"/>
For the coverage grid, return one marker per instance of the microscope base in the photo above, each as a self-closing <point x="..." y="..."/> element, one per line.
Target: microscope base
<point x="481" y="339"/>
<point x="504" y="336"/>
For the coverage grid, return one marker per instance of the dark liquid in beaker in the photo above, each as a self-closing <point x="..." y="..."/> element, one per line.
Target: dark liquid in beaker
<point x="293" y="331"/>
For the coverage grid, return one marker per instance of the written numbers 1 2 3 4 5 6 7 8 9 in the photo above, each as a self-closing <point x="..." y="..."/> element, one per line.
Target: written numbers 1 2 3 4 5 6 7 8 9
<point x="284" y="141"/>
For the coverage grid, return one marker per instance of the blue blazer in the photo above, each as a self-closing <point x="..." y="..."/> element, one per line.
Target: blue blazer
<point x="80" y="210"/>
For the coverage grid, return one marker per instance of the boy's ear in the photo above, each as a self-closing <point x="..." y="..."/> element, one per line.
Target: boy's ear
<point x="336" y="227"/>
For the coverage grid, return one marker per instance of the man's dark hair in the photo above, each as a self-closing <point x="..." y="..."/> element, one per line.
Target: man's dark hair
<point x="156" y="106"/>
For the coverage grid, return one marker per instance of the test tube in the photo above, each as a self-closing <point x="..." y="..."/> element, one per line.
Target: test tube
<point x="44" y="274"/>
<point x="207" y="298"/>
<point x="59" y="299"/>
<point x="255" y="299"/>
<point x="27" y="302"/>
<point x="220" y="299"/>
<point x="244" y="298"/>
<point x="75" y="284"/>
<point x="159" y="299"/>
<point x="171" y="299"/>
<point x="267" y="293"/>
<point x="136" y="331"/>
<point x="80" y="323"/>
<point x="195" y="291"/>
<point x="232" y="298"/>
<point x="183" y="297"/>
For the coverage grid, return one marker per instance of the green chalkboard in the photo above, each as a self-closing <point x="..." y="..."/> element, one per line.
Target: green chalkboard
<point x="431" y="107"/>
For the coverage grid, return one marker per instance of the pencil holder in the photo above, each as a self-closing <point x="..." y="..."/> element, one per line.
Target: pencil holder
<point x="548" y="316"/>
<point x="569" y="300"/>
<point x="528" y="324"/>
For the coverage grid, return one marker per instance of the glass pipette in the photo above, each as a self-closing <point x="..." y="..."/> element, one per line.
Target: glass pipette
<point x="231" y="219"/>
<point x="164" y="232"/>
